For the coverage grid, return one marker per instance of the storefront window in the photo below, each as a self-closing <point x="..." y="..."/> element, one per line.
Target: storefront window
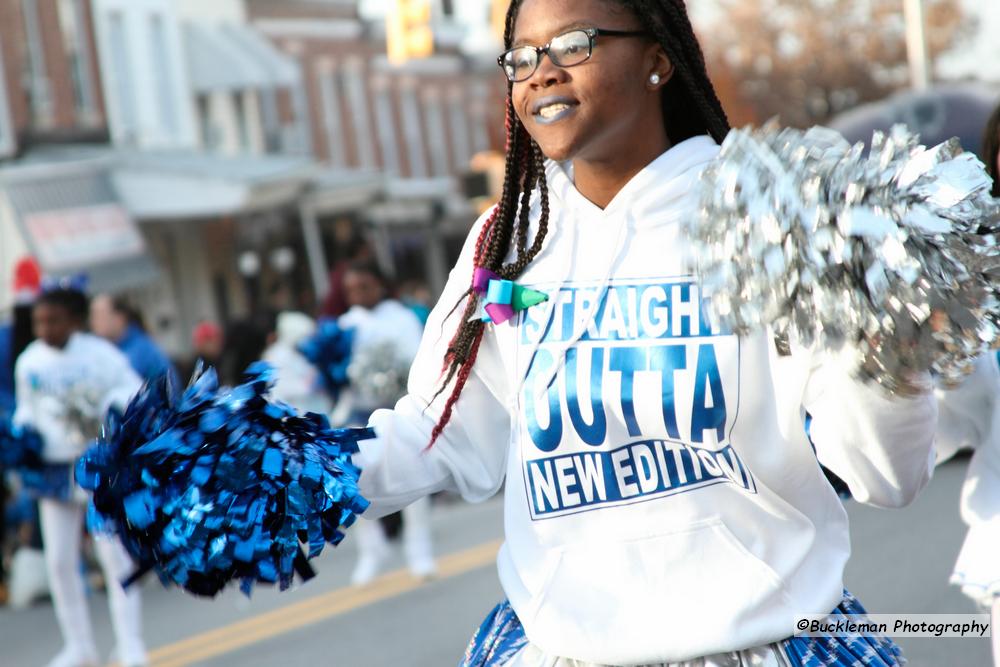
<point x="77" y="46"/>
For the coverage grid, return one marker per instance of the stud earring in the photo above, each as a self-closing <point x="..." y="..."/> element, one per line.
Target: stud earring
<point x="654" y="79"/>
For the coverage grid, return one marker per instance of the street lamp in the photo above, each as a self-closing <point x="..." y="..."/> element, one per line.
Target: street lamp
<point x="248" y="264"/>
<point x="283" y="260"/>
<point x="916" y="44"/>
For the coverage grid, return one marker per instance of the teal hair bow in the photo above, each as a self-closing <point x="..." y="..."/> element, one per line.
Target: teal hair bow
<point x="503" y="298"/>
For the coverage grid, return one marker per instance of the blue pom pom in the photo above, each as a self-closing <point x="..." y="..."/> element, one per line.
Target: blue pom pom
<point x="21" y="451"/>
<point x="329" y="350"/>
<point x="222" y="485"/>
<point x="20" y="447"/>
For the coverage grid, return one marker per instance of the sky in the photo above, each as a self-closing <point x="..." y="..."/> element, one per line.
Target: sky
<point x="979" y="57"/>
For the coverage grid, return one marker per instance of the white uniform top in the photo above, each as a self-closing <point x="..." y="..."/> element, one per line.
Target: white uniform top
<point x="662" y="501"/>
<point x="66" y="393"/>
<point x="297" y="382"/>
<point x="389" y="323"/>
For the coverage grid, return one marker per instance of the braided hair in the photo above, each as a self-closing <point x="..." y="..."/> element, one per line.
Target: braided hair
<point x="73" y="301"/>
<point x="690" y="108"/>
<point x="991" y="149"/>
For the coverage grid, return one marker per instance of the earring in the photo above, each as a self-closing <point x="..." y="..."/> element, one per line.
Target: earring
<point x="654" y="79"/>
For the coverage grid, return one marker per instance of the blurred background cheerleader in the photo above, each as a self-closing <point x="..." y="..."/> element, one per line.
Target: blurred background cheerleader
<point x="66" y="381"/>
<point x="298" y="382"/>
<point x="386" y="338"/>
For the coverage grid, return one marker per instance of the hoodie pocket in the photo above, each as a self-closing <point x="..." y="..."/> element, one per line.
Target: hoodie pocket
<point x="671" y="597"/>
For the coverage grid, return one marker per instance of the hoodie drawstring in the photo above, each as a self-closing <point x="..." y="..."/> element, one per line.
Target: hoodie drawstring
<point x="579" y="327"/>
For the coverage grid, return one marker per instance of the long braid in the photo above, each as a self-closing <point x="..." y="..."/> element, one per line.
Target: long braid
<point x="494" y="236"/>
<point x="463" y="377"/>
<point x="509" y="195"/>
<point x="690" y="108"/>
<point x="670" y="25"/>
<point x="525" y="256"/>
<point x="521" y="168"/>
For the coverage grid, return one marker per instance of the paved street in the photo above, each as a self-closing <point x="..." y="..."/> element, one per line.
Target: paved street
<point x="901" y="563"/>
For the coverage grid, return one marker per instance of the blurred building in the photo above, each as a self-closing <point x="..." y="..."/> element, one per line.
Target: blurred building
<point x="417" y="123"/>
<point x="51" y="90"/>
<point x="209" y="147"/>
<point x="212" y="158"/>
<point x="57" y="200"/>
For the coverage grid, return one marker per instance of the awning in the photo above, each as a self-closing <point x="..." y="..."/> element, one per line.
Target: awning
<point x="335" y="191"/>
<point x="233" y="57"/>
<point x="282" y="69"/>
<point x="411" y="202"/>
<point x="168" y="185"/>
<point x="72" y="222"/>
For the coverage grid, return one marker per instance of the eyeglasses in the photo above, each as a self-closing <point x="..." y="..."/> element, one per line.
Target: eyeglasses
<point x="566" y="50"/>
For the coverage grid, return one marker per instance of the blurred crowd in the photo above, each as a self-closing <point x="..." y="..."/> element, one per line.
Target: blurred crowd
<point x="360" y="297"/>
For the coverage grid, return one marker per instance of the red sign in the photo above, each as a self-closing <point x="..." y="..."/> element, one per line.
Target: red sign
<point x="76" y="238"/>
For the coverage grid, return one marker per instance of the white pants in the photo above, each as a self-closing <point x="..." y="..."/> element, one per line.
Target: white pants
<point x="418" y="546"/>
<point x="62" y="527"/>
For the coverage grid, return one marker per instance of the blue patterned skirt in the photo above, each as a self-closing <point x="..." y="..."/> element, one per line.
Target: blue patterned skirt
<point x="501" y="638"/>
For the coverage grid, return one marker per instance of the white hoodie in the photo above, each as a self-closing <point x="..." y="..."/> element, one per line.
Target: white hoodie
<point x="66" y="393"/>
<point x="662" y="500"/>
<point x="969" y="413"/>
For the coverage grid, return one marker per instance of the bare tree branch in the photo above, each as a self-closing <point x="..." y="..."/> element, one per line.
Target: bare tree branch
<point x="804" y="61"/>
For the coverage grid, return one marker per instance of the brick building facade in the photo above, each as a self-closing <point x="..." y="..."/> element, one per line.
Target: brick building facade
<point x="50" y="72"/>
<point x="424" y="119"/>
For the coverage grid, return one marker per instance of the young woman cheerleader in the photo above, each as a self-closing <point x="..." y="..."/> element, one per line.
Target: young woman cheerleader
<point x="662" y="503"/>
<point x="66" y="381"/>
<point x="382" y="326"/>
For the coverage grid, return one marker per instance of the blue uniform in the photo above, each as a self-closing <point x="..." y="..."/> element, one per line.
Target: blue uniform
<point x="146" y="357"/>
<point x="6" y="371"/>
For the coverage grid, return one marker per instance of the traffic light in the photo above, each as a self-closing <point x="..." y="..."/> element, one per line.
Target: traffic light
<point x="408" y="31"/>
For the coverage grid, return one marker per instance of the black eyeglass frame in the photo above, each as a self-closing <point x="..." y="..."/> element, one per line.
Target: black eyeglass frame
<point x="592" y="34"/>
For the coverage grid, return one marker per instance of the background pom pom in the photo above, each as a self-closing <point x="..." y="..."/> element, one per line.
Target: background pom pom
<point x="893" y="253"/>
<point x="222" y="485"/>
<point x="329" y="350"/>
<point x="21" y="450"/>
<point x="20" y="447"/>
<point x="378" y="374"/>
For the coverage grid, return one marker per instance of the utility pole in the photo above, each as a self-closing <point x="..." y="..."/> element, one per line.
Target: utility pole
<point x="916" y="44"/>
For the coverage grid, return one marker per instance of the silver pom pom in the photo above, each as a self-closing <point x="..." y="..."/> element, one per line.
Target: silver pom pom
<point x="378" y="374"/>
<point x="893" y="253"/>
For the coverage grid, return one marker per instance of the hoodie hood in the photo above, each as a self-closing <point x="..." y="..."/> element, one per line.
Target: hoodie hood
<point x="663" y="192"/>
<point x="651" y="193"/>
